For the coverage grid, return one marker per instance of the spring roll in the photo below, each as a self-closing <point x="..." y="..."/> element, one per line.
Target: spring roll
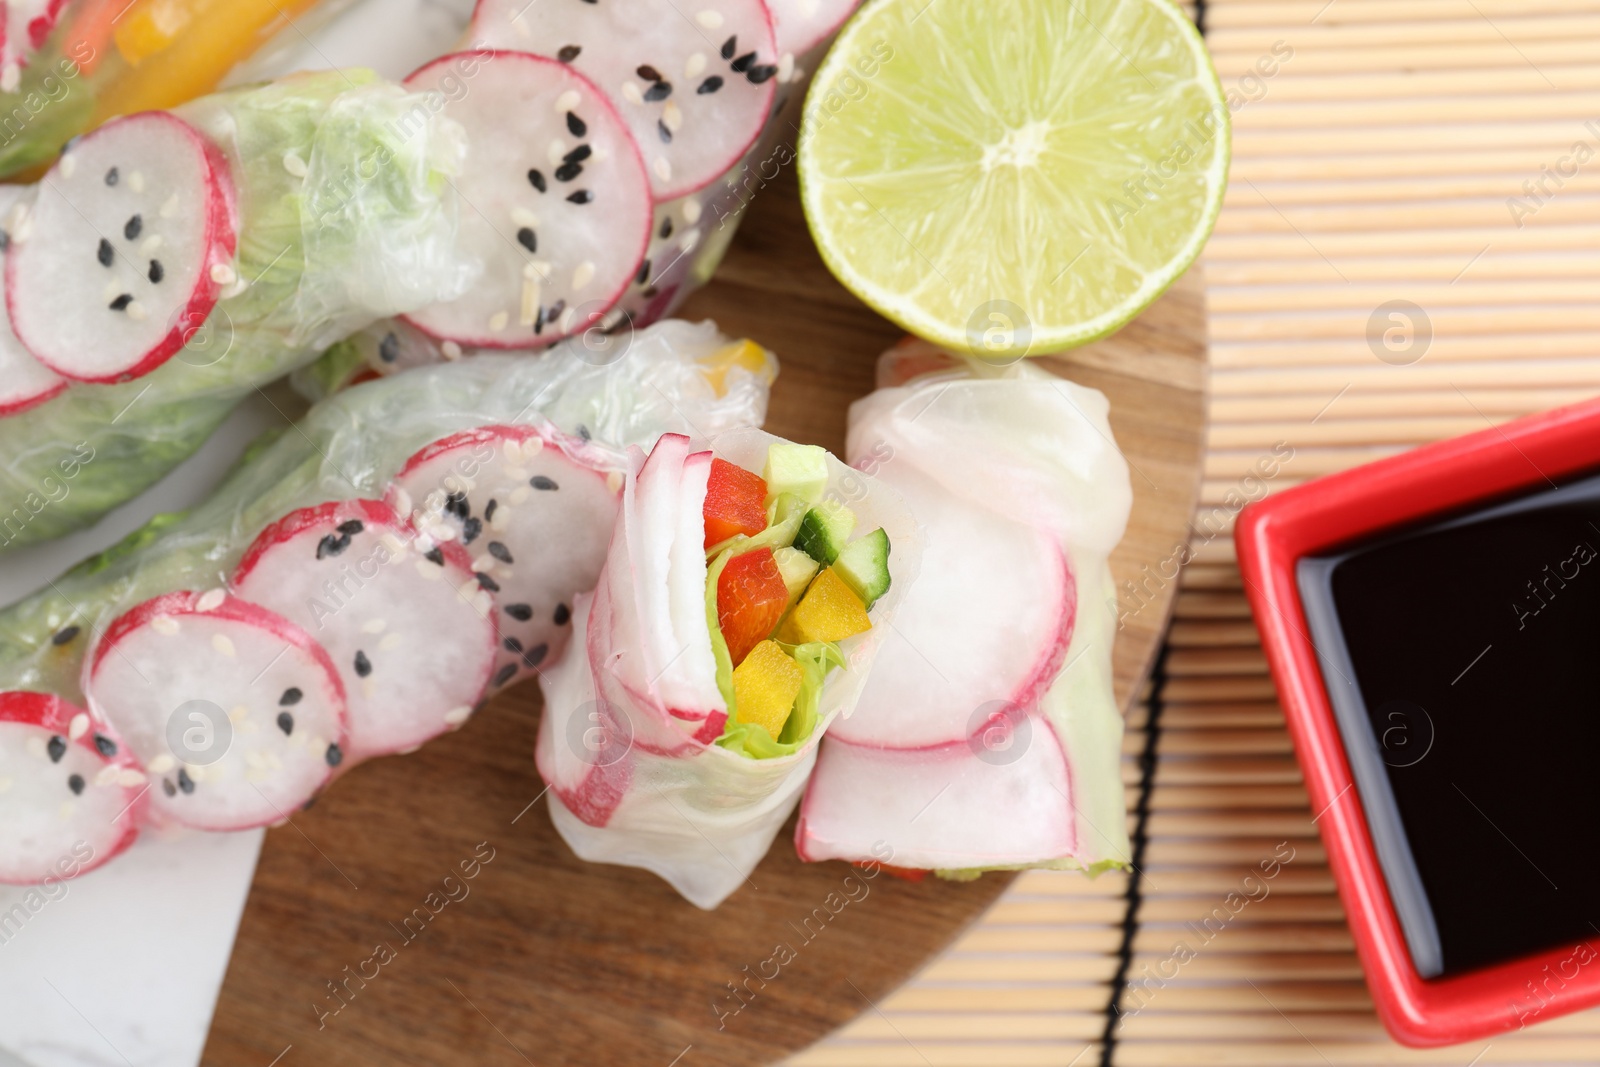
<point x="737" y="618"/>
<point x="987" y="735"/>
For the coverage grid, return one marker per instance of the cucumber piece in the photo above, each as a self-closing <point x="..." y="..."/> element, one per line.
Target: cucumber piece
<point x="864" y="566"/>
<point x="797" y="570"/>
<point x="824" y="531"/>
<point x="798" y="469"/>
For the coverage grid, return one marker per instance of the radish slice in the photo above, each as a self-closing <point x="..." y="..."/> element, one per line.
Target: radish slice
<point x="24" y="381"/>
<point x="124" y="252"/>
<point x="406" y="623"/>
<point x="799" y="25"/>
<point x="534" y="511"/>
<point x="694" y="82"/>
<point x="236" y="710"/>
<point x="556" y="201"/>
<point x="71" y="794"/>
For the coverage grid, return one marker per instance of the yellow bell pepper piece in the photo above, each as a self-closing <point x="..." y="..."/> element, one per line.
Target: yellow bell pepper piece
<point x="746" y="353"/>
<point x="829" y="611"/>
<point x="765" y="685"/>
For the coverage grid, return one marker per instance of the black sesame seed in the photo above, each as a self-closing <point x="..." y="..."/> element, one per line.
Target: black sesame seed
<point x="389" y="348"/>
<point x="729" y="47"/>
<point x="5" y="240"/>
<point x="536" y="179"/>
<point x="112" y="176"/>
<point x="582" y="196"/>
<point x="334" y="756"/>
<point x="649" y="291"/>
<point x="535" y="655"/>
<point x="569" y="53"/>
<point x="743" y="63"/>
<point x="648" y="73"/>
<point x="107" y="747"/>
<point x="762" y="73"/>
<point x="538" y="321"/>
<point x="500" y="552"/>
<point x="185" y="783"/>
<point x="75" y="783"/>
<point x="505" y="674"/>
<point x="710" y="85"/>
<point x="65" y="634"/>
<point x="168" y="788"/>
<point x="486" y="582"/>
<point x="662" y="132"/>
<point x="291" y="697"/>
<point x="363" y="664"/>
<point x="539" y="481"/>
<point x="578" y="155"/>
<point x="520" y="612"/>
<point x="434" y="555"/>
<point x="563" y="615"/>
<point x="57" y="747"/>
<point x="456" y="504"/>
<point x="105" y="253"/>
<point x="134" y="227"/>
<point x="489" y="509"/>
<point x="527" y="238"/>
<point x="658" y="91"/>
<point x="583" y="432"/>
<point x="568" y="171"/>
<point x="351" y="526"/>
<point x="666" y="229"/>
<point x="644" y="273"/>
<point x="286" y="723"/>
<point x="576" y="125"/>
<point x="157" y="272"/>
<point x="513" y="645"/>
<point x="307" y="805"/>
<point x="121" y="303"/>
<point x="471" y="529"/>
<point x="555" y="310"/>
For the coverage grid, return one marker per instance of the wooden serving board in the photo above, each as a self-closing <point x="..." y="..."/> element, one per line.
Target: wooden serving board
<point x="549" y="960"/>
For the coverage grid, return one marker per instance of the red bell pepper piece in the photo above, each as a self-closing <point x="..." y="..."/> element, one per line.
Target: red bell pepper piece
<point x="751" y="596"/>
<point x="735" y="503"/>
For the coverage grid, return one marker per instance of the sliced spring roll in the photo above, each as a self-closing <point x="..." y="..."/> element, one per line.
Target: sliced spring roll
<point x="988" y="736"/>
<point x="172" y="262"/>
<point x="748" y="589"/>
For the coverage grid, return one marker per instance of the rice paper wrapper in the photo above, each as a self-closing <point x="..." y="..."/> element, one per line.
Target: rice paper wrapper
<point x="627" y="743"/>
<point x="989" y="737"/>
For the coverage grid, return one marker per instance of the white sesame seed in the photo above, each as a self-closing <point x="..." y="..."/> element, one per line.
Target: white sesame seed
<point x="375" y="626"/>
<point x="711" y="20"/>
<point x="223" y="645"/>
<point x="501" y="520"/>
<point x="294" y="165"/>
<point x="458" y="715"/>
<point x="128" y="777"/>
<point x="528" y="309"/>
<point x="24" y="227"/>
<point x="467" y="590"/>
<point x="483" y="603"/>
<point x="614" y="481"/>
<point x="238" y="715"/>
<point x="402" y="504"/>
<point x="69" y="163"/>
<point x="582" y="277"/>
<point x="78" y="726"/>
<point x="390" y="642"/>
<point x="107" y="775"/>
<point x="10" y="78"/>
<point x="164" y="624"/>
<point x="450" y="351"/>
<point x="517" y="496"/>
<point x="533" y="446"/>
<point x="210" y="600"/>
<point x="222" y="273"/>
<point x="429" y="570"/>
<point x="162" y="763"/>
<point x="662" y="168"/>
<point x="786" y="69"/>
<point x="136" y="181"/>
<point x="497" y="321"/>
<point x="631" y="93"/>
<point x="695" y="66"/>
<point x="672" y="116"/>
<point x="557" y="149"/>
<point x="136" y="311"/>
<point x="297" y="740"/>
<point x="521" y="216"/>
<point x="67" y="806"/>
<point x="690" y="239"/>
<point x="171" y="207"/>
<point x="691" y="211"/>
<point x="113" y="287"/>
<point x="150" y="244"/>
<point x="36" y="747"/>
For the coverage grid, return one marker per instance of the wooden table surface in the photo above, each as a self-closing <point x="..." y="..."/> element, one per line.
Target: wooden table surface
<point x="552" y="961"/>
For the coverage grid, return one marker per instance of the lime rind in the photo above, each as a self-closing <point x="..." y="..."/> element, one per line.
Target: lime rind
<point x="965" y="175"/>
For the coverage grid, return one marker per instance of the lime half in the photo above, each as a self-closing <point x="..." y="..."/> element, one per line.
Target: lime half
<point x="1013" y="178"/>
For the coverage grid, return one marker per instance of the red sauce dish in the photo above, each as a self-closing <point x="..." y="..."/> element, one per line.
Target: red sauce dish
<point x="1443" y="486"/>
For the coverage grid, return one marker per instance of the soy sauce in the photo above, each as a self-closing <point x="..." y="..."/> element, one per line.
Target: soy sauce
<point x="1464" y="658"/>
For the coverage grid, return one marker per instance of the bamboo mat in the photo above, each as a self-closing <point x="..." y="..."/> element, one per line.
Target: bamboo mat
<point x="1383" y="158"/>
